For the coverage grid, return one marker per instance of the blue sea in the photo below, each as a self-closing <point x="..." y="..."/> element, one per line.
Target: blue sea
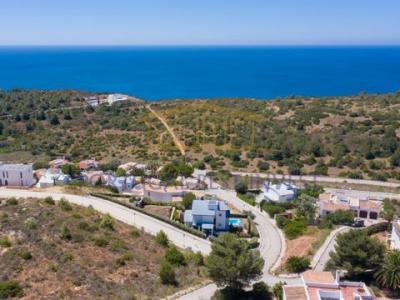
<point x="155" y="73"/>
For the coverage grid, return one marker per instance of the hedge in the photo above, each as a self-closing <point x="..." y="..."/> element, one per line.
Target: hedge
<point x="173" y="223"/>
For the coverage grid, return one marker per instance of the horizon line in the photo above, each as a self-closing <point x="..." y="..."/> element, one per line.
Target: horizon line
<point x="200" y="45"/>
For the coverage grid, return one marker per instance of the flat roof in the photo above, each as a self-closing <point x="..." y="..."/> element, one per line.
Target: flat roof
<point x="295" y="293"/>
<point x="16" y="167"/>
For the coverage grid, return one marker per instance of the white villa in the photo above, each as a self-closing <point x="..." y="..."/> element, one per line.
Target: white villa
<point x="280" y="192"/>
<point x="362" y="207"/>
<point x="208" y="216"/>
<point x="395" y="239"/>
<point x="53" y="177"/>
<point x="112" y="98"/>
<point x="16" y="174"/>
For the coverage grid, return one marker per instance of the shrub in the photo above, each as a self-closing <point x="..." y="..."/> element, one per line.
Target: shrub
<point x="187" y="200"/>
<point x="107" y="222"/>
<point x="31" y="223"/>
<point x="134" y="233"/>
<point x="296" y="264"/>
<point x="248" y="198"/>
<point x="273" y="208"/>
<point x="100" y="242"/>
<point x="167" y="274"/>
<point x="10" y="288"/>
<point x="162" y="239"/>
<point x="261" y="290"/>
<point x="49" y="200"/>
<point x="65" y="233"/>
<point x="198" y="259"/>
<point x="294" y="228"/>
<point x="5" y="242"/>
<point x="12" y="201"/>
<point x="65" y="205"/>
<point x="241" y="188"/>
<point x="25" y="254"/>
<point x="175" y="257"/>
<point x="281" y="221"/>
<point x="121" y="261"/>
<point x="336" y="218"/>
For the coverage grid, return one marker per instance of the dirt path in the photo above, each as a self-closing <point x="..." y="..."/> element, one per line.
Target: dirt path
<point x="171" y="132"/>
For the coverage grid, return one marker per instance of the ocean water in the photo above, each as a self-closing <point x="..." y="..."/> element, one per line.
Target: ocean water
<point x="155" y="73"/>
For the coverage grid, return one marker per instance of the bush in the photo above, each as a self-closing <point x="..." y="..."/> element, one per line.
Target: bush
<point x="25" y="255"/>
<point x="31" y="223"/>
<point x="100" y="242"/>
<point x="167" y="274"/>
<point x="241" y="188"/>
<point x="175" y="257"/>
<point x="162" y="239"/>
<point x="187" y="200"/>
<point x="65" y="233"/>
<point x="273" y="208"/>
<point x="294" y="229"/>
<point x="248" y="198"/>
<point x="12" y="201"/>
<point x="5" y="242"/>
<point x="261" y="291"/>
<point x="296" y="264"/>
<point x="49" y="200"/>
<point x="121" y="261"/>
<point x="65" y="205"/>
<point x="281" y="221"/>
<point x="337" y="218"/>
<point x="107" y="222"/>
<point x="10" y="288"/>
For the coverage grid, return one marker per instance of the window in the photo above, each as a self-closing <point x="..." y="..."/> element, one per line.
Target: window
<point x="20" y="174"/>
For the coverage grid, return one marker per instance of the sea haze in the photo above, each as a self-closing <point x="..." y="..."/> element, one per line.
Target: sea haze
<point x="155" y="73"/>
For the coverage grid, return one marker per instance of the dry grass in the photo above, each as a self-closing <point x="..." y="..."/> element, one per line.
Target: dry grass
<point x="83" y="265"/>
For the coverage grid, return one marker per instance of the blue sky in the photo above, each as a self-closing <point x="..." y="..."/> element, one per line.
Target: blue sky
<point x="199" y="22"/>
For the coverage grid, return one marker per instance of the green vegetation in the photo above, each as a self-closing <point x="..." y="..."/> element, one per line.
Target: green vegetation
<point x="357" y="253"/>
<point x="388" y="274"/>
<point x="162" y="239"/>
<point x="296" y="264"/>
<point x="69" y="248"/>
<point x="167" y="273"/>
<point x="9" y="289"/>
<point x="232" y="263"/>
<point x="187" y="200"/>
<point x="337" y="218"/>
<point x="248" y="198"/>
<point x="294" y="228"/>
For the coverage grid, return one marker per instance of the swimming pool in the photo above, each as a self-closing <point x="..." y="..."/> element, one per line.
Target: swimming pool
<point x="234" y="222"/>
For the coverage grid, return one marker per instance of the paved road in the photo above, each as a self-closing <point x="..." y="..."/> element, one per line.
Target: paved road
<point x="148" y="224"/>
<point x="171" y="132"/>
<point x="270" y="246"/>
<point x="320" y="179"/>
<point x="322" y="256"/>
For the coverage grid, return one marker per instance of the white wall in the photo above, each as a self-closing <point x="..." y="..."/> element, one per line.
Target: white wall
<point x="16" y="177"/>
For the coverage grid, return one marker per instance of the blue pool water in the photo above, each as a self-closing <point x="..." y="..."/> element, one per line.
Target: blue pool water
<point x="234" y="222"/>
<point x="155" y="73"/>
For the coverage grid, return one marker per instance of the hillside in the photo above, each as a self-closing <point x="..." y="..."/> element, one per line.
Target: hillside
<point x="357" y="136"/>
<point x="63" y="251"/>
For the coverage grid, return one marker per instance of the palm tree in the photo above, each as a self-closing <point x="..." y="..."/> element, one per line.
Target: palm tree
<point x="388" y="274"/>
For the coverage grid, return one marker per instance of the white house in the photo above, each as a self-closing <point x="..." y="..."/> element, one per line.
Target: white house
<point x="280" y="192"/>
<point x="395" y="240"/>
<point x="53" y="177"/>
<point x="16" y="174"/>
<point x="92" y="101"/>
<point x="208" y="216"/>
<point x="122" y="183"/>
<point x="363" y="208"/>
<point x="112" y="98"/>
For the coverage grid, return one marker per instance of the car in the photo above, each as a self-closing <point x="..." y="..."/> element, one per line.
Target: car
<point x="358" y="223"/>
